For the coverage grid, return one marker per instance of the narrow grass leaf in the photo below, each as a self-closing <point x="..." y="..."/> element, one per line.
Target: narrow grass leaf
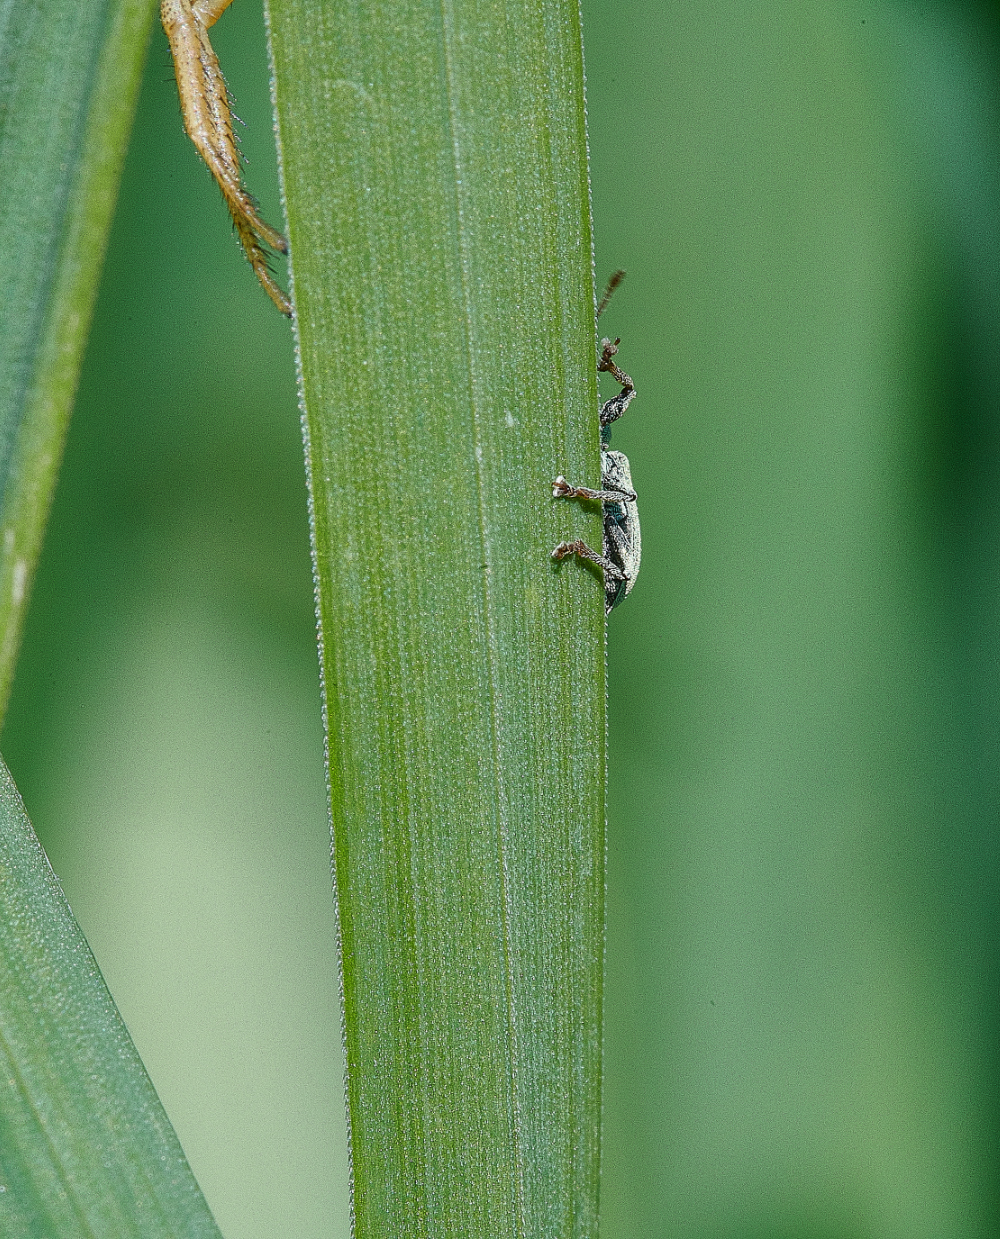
<point x="69" y="78"/>
<point x="85" y="1147"/>
<point x="435" y="173"/>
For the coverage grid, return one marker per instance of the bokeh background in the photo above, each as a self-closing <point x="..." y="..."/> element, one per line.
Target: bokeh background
<point x="802" y="1036"/>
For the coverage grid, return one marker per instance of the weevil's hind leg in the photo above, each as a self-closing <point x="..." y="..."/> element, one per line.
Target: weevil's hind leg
<point x="208" y="122"/>
<point x="614" y="577"/>
<point x="612" y="409"/>
<point x="565" y="549"/>
<point x="561" y="489"/>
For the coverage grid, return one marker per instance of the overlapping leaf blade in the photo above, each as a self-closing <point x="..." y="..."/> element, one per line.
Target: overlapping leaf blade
<point x="69" y="77"/>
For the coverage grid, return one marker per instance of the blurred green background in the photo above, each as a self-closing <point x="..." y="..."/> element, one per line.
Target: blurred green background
<point x="802" y="1016"/>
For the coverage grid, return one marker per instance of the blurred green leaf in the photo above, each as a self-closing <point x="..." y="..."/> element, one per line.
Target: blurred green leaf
<point x="69" y="77"/>
<point x="85" y="1148"/>
<point x="434" y="162"/>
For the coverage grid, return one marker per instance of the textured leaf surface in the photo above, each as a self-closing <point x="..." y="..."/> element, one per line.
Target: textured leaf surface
<point x="69" y="76"/>
<point x="434" y="164"/>
<point x="85" y="1148"/>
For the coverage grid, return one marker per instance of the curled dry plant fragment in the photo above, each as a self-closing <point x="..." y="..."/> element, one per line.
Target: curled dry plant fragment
<point x="209" y="124"/>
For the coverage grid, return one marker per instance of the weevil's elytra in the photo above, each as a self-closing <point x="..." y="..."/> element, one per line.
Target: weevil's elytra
<point x="209" y="124"/>
<point x="622" y="550"/>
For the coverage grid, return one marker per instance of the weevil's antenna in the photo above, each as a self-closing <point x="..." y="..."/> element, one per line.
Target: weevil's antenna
<point x="609" y="292"/>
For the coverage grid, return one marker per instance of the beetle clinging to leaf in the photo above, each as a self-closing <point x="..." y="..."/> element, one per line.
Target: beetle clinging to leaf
<point x="622" y="550"/>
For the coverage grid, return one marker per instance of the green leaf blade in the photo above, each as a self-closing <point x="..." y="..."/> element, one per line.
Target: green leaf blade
<point x="435" y="174"/>
<point x="85" y="1147"/>
<point x="69" y="79"/>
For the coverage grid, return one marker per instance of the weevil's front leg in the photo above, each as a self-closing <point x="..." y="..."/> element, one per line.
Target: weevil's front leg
<point x="565" y="549"/>
<point x="561" y="489"/>
<point x="612" y="409"/>
<point x="208" y="122"/>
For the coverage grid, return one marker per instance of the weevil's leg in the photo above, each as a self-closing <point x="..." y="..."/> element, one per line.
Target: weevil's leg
<point x="565" y="549"/>
<point x="612" y="409"/>
<point x="609" y="350"/>
<point x="561" y="489"/>
<point x="208" y="122"/>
